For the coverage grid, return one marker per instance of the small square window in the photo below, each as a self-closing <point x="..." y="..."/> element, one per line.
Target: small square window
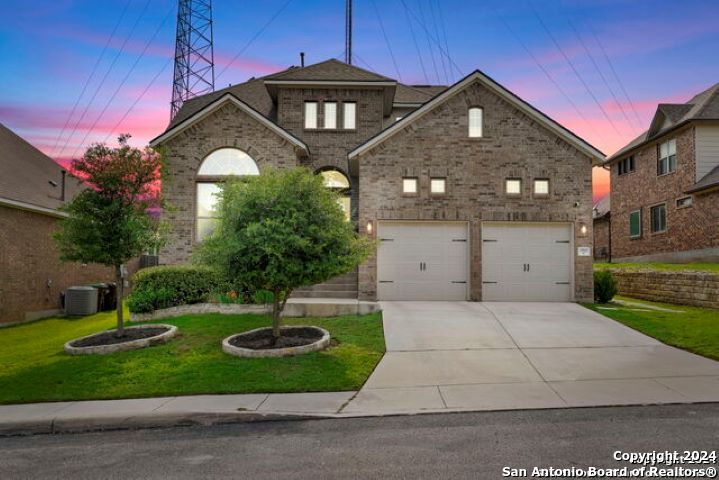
<point x="659" y="218"/>
<point x="513" y="186"/>
<point x="330" y="118"/>
<point x="684" y="202"/>
<point x="541" y="186"/>
<point x="409" y="185"/>
<point x="438" y="186"/>
<point x="635" y="224"/>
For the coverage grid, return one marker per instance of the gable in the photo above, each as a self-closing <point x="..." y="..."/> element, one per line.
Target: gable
<point x="478" y="77"/>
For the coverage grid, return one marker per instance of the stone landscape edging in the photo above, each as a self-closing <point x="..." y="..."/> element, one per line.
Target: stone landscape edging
<point x="122" y="347"/>
<point x="320" y="344"/>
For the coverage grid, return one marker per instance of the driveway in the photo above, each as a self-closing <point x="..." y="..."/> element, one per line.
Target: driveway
<point x="491" y="356"/>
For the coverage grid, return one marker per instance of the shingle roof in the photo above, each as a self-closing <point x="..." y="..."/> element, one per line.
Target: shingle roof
<point x="710" y="180"/>
<point x="329" y="70"/>
<point x="416" y="93"/>
<point x="602" y="207"/>
<point x="703" y="106"/>
<point x="26" y="173"/>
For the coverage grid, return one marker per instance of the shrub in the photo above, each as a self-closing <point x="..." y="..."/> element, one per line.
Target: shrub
<point x="172" y="285"/>
<point x="605" y="286"/>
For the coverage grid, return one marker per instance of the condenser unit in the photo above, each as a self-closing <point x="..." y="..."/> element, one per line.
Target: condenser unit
<point x="81" y="301"/>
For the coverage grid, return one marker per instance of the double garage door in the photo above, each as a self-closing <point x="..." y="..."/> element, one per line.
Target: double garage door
<point x="431" y="261"/>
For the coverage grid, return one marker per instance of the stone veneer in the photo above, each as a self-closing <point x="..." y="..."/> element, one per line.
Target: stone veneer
<point x="514" y="145"/>
<point x="684" y="288"/>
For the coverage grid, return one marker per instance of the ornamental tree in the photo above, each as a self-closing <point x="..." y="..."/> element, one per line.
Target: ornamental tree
<point x="279" y="231"/>
<point x="109" y="222"/>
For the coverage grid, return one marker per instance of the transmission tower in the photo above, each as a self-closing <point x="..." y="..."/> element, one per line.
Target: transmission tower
<point x="348" y="31"/>
<point x="194" y="56"/>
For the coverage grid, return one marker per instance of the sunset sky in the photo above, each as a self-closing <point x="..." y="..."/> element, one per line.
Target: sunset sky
<point x="610" y="60"/>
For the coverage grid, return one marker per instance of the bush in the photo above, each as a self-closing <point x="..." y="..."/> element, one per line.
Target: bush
<point x="605" y="286"/>
<point x="172" y="285"/>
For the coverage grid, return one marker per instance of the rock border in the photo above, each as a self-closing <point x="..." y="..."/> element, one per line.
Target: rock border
<point x="122" y="347"/>
<point x="320" y="344"/>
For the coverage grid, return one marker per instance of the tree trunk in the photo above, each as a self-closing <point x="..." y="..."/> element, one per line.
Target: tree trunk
<point x="120" y="289"/>
<point x="277" y="309"/>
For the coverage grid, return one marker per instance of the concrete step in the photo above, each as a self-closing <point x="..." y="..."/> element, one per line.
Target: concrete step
<point x="324" y="294"/>
<point x="329" y="286"/>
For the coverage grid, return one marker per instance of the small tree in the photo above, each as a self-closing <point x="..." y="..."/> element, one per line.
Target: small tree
<point x="108" y="222"/>
<point x="279" y="231"/>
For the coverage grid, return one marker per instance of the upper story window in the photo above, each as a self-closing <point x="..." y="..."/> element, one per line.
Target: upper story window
<point x="220" y="163"/>
<point x="330" y="115"/>
<point x="475" y="122"/>
<point x="310" y="114"/>
<point x="625" y="165"/>
<point x="541" y="187"/>
<point x="409" y="185"/>
<point x="437" y="186"/>
<point x="350" y="115"/>
<point x="667" y="161"/>
<point x="513" y="186"/>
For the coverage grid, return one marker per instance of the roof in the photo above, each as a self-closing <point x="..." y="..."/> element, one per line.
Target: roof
<point x="602" y="208"/>
<point x="329" y="70"/>
<point x="710" y="180"/>
<point x="670" y="116"/>
<point x="477" y="76"/>
<point x="416" y="94"/>
<point x="26" y="173"/>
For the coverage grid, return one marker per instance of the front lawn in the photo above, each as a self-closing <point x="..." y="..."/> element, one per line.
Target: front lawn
<point x="660" y="267"/>
<point x="34" y="368"/>
<point x="691" y="328"/>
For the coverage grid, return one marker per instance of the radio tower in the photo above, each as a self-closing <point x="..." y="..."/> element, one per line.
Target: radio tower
<point x="194" y="56"/>
<point x="348" y="31"/>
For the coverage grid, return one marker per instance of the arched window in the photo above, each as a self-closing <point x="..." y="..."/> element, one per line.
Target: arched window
<point x="337" y="181"/>
<point x="475" y="122"/>
<point x="220" y="163"/>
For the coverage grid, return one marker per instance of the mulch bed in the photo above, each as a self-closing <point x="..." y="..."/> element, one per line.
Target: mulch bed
<point x="109" y="338"/>
<point x="290" y="337"/>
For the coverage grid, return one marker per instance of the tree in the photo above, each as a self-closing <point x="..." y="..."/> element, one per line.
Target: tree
<point x="281" y="230"/>
<point x="108" y="222"/>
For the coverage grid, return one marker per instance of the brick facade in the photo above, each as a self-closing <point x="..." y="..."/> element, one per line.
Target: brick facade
<point x="33" y="276"/>
<point x="689" y="229"/>
<point x="602" y="247"/>
<point x="513" y="146"/>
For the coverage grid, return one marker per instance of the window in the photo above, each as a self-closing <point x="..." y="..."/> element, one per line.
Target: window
<point x="659" y="218"/>
<point x="475" y="122"/>
<point x="667" y="161"/>
<point x="541" y="186"/>
<point x="409" y="185"/>
<point x="310" y="114"/>
<point x="330" y="119"/>
<point x="218" y="164"/>
<point x="684" y="202"/>
<point x="513" y="186"/>
<point x="438" y="186"/>
<point x="350" y="115"/>
<point x="339" y="183"/>
<point x="635" y="224"/>
<point x="625" y="165"/>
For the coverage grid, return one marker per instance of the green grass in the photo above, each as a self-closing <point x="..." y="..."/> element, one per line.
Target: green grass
<point x="693" y="329"/>
<point x="34" y="368"/>
<point x="660" y="267"/>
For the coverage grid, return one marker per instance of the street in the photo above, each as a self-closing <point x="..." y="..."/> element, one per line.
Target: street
<point x="463" y="445"/>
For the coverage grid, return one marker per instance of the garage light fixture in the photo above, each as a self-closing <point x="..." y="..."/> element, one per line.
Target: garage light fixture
<point x="583" y="229"/>
<point x="370" y="228"/>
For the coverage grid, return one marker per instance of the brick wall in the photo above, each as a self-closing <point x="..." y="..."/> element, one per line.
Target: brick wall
<point x="688" y="229"/>
<point x="513" y="146"/>
<point x="29" y="259"/>
<point x="683" y="288"/>
<point x="601" y="239"/>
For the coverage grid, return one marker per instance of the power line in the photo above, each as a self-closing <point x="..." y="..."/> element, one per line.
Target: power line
<point x="444" y="34"/>
<point x="124" y="80"/>
<point x="255" y="36"/>
<point x="92" y="75"/>
<point x="416" y="45"/>
<point x="386" y="39"/>
<point x="436" y="32"/>
<point x="429" y="43"/>
<point x="574" y="69"/>
<point x="107" y="73"/>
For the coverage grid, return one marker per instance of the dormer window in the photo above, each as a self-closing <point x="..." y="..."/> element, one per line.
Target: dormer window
<point x="310" y="115"/>
<point x="330" y="115"/>
<point x="475" y="122"/>
<point x="667" y="161"/>
<point x="350" y="115"/>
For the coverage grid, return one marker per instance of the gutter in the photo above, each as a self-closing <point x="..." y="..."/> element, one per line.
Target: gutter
<point x="6" y="202"/>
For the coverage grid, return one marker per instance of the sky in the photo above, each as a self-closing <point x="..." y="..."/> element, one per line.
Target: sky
<point x="80" y="71"/>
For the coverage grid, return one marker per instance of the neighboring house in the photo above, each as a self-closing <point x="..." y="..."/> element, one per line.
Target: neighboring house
<point x="472" y="193"/>
<point x="32" y="188"/>
<point x="602" y="225"/>
<point x="665" y="186"/>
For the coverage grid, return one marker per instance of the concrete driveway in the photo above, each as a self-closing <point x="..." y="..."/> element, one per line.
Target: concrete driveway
<point x="491" y="356"/>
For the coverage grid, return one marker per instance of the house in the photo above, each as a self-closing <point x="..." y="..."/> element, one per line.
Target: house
<point x="32" y="189"/>
<point x="665" y="186"/>
<point x="602" y="222"/>
<point x="472" y="193"/>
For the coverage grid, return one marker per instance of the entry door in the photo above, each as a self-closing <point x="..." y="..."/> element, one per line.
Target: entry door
<point x="422" y="261"/>
<point x="527" y="262"/>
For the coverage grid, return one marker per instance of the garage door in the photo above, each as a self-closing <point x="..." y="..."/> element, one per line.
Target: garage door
<point x="527" y="262"/>
<point x="422" y="261"/>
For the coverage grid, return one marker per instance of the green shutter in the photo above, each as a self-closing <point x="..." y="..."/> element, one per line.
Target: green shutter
<point x="635" y="224"/>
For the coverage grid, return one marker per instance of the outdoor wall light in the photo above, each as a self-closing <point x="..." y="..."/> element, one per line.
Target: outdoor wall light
<point x="370" y="228"/>
<point x="583" y="229"/>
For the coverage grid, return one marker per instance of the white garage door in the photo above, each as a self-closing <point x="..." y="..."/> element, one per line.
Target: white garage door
<point x="527" y="262"/>
<point x="422" y="261"/>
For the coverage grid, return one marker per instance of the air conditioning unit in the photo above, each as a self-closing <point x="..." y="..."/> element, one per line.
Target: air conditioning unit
<point x="81" y="301"/>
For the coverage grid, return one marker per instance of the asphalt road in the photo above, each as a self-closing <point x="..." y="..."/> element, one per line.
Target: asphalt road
<point x="472" y="445"/>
